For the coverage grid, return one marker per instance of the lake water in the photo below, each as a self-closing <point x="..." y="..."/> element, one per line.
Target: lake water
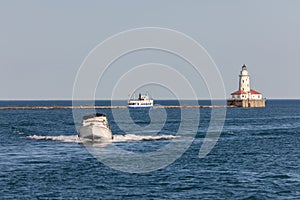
<point x="256" y="157"/>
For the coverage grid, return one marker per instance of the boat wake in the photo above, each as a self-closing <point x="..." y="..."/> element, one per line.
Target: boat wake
<point x="133" y="137"/>
<point x="62" y="138"/>
<point x="116" y="138"/>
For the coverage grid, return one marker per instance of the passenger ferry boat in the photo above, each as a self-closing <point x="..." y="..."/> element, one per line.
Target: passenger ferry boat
<point x="144" y="101"/>
<point x="95" y="127"/>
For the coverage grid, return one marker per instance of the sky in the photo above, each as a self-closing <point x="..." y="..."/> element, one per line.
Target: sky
<point x="44" y="43"/>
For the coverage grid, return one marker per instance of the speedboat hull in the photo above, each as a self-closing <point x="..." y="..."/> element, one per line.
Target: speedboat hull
<point x="94" y="132"/>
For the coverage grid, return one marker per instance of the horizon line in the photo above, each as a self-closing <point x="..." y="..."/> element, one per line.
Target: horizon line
<point x="127" y="99"/>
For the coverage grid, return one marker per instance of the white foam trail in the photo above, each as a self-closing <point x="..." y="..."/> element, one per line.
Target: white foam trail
<point x="62" y="138"/>
<point x="133" y="137"/>
<point x="116" y="138"/>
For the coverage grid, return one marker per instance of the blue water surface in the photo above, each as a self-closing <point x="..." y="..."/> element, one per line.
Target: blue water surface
<point x="256" y="157"/>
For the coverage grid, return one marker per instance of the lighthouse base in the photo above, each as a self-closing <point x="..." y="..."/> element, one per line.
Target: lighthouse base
<point x="247" y="103"/>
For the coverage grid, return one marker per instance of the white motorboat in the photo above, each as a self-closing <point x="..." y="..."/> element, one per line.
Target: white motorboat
<point x="95" y="127"/>
<point x="144" y="101"/>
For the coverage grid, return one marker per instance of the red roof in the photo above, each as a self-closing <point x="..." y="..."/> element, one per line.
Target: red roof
<point x="254" y="92"/>
<point x="239" y="92"/>
<point x="243" y="92"/>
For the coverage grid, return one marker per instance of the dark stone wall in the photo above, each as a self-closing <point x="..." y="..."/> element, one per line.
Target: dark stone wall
<point x="247" y="103"/>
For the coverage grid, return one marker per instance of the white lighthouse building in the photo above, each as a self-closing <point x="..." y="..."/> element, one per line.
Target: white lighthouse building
<point x="245" y="96"/>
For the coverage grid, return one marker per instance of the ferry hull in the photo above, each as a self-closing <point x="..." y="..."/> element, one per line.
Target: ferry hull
<point x="140" y="106"/>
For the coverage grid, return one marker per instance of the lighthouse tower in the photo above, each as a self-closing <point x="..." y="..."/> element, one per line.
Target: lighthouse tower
<point x="245" y="96"/>
<point x="244" y="80"/>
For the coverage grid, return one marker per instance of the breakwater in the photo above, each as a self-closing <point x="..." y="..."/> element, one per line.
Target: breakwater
<point x="104" y="107"/>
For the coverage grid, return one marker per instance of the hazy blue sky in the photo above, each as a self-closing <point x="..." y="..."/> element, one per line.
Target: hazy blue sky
<point x="43" y="43"/>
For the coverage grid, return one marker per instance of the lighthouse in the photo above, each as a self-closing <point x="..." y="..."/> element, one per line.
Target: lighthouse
<point x="245" y="96"/>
